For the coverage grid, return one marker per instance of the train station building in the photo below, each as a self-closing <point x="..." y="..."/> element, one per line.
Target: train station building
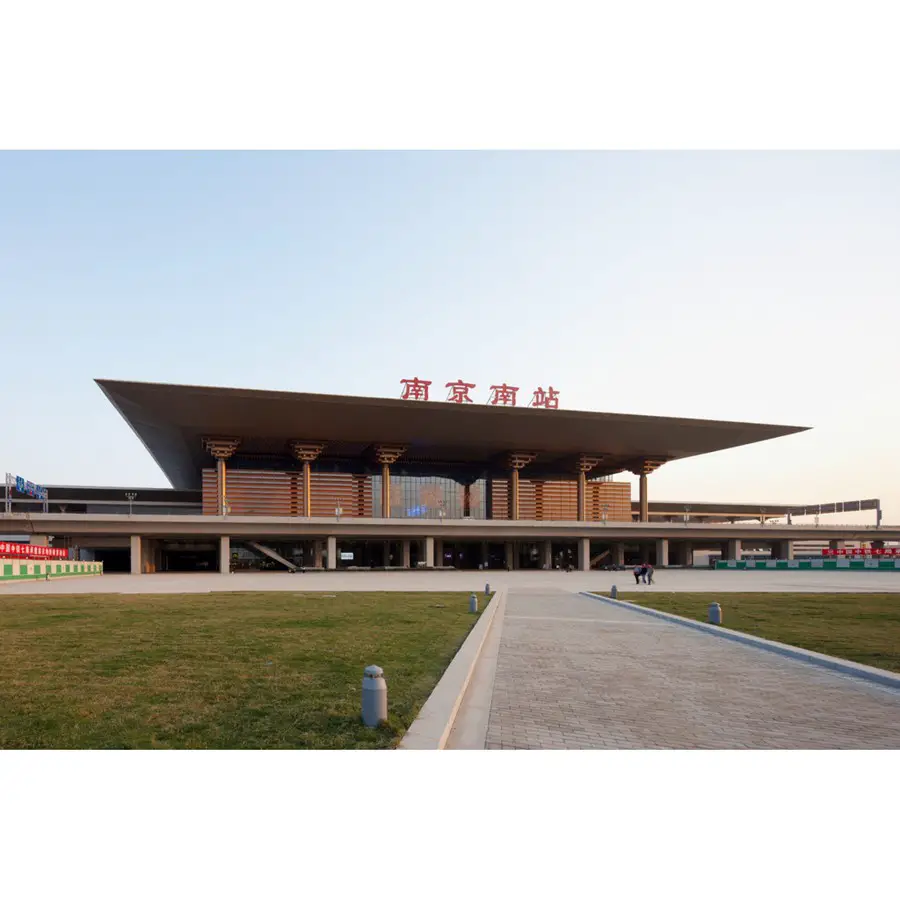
<point x="307" y="481"/>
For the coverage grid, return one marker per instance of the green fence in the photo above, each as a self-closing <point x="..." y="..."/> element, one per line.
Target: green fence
<point x="29" y="570"/>
<point x="875" y="564"/>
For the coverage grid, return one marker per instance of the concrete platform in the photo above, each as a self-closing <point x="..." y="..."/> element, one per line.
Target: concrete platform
<point x="666" y="580"/>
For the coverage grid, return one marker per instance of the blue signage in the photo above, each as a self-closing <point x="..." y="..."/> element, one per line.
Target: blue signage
<point x="417" y="511"/>
<point x="31" y="489"/>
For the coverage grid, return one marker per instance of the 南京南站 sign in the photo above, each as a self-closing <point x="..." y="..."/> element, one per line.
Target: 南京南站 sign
<point x="499" y="394"/>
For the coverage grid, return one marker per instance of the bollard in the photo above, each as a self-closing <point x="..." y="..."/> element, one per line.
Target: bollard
<point x="473" y="602"/>
<point x="374" y="697"/>
<point x="715" y="614"/>
<point x="614" y="592"/>
<point x="487" y="590"/>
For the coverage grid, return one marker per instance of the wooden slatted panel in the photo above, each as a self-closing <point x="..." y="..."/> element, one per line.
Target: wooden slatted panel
<point x="257" y="492"/>
<point x="559" y="501"/>
<point x="500" y="498"/>
<point x="614" y="494"/>
<point x="353" y="493"/>
<point x="252" y="492"/>
<point x="209" y="492"/>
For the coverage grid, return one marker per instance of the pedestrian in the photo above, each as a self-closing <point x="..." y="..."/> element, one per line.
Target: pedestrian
<point x="637" y="574"/>
<point x="644" y="572"/>
<point x="649" y="574"/>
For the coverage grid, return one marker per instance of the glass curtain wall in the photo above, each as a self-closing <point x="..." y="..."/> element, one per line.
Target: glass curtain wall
<point x="430" y="497"/>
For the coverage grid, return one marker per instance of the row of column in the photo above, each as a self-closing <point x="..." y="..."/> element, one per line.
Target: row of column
<point x="222" y="449"/>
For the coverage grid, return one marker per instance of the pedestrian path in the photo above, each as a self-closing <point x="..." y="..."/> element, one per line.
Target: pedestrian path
<point x="573" y="672"/>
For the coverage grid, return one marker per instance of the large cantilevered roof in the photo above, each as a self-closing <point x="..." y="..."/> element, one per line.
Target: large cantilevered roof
<point x="172" y="420"/>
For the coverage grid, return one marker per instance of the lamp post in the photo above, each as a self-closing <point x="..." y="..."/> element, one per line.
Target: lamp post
<point x="130" y="496"/>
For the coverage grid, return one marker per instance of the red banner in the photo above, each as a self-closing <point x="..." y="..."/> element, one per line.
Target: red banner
<point x="17" y="550"/>
<point x="864" y="551"/>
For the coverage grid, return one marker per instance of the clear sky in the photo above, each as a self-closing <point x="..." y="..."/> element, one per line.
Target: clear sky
<point x="756" y="287"/>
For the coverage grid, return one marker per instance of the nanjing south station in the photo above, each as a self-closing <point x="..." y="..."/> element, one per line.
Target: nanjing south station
<point x="448" y="476"/>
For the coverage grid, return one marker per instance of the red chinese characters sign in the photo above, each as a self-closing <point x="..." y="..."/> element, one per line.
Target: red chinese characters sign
<point x="459" y="391"/>
<point x="864" y="551"/>
<point x="16" y="550"/>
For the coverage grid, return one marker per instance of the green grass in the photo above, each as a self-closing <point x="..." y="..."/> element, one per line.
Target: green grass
<point x="228" y="670"/>
<point x="864" y="628"/>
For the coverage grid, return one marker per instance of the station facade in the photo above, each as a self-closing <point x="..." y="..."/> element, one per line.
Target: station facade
<point x="291" y="480"/>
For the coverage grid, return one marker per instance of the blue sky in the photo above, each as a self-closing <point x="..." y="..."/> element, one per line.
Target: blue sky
<point x="747" y="286"/>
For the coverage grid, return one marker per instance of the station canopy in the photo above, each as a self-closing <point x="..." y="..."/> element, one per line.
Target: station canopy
<point x="464" y="440"/>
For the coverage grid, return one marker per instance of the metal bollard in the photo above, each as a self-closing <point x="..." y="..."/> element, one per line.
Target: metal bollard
<point x="614" y="592"/>
<point x="374" y="697"/>
<point x="715" y="614"/>
<point x="473" y="602"/>
<point x="487" y="590"/>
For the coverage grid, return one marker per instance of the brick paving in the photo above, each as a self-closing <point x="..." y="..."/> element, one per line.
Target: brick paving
<point x="576" y="673"/>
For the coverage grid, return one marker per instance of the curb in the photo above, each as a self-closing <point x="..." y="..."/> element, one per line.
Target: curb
<point x="833" y="663"/>
<point x="432" y="726"/>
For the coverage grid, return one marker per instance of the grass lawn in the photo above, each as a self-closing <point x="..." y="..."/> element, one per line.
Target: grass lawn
<point x="228" y="670"/>
<point x="864" y="628"/>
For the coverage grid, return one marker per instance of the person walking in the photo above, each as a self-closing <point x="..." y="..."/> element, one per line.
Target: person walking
<point x="644" y="572"/>
<point x="649" y="574"/>
<point x="637" y="574"/>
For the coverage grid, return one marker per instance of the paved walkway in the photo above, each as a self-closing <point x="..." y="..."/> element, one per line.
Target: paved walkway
<point x="664" y="580"/>
<point x="572" y="672"/>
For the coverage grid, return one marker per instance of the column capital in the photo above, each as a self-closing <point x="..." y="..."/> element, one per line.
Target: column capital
<point x="388" y="454"/>
<point x="586" y="462"/>
<point x="644" y="466"/>
<point x="306" y="451"/>
<point x="221" y="447"/>
<point x="518" y="459"/>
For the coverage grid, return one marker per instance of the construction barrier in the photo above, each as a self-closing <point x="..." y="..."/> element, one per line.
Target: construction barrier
<point x="847" y="563"/>
<point x="29" y="570"/>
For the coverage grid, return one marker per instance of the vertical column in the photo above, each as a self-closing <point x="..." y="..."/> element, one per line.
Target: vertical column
<point x="307" y="453"/>
<point x="688" y="555"/>
<point x="221" y="449"/>
<point x="584" y="554"/>
<point x="136" y="556"/>
<point x="510" y="549"/>
<point x="618" y="554"/>
<point x="385" y="490"/>
<point x="485" y="556"/>
<point x="734" y="549"/>
<point x="438" y="551"/>
<point x="642" y="470"/>
<point x="547" y="555"/>
<point x="224" y="555"/>
<point x="318" y="554"/>
<point x="331" y="553"/>
<point x="386" y="558"/>
<point x="783" y="549"/>
<point x="662" y="552"/>
<point x="429" y="553"/>
<point x="387" y="456"/>
<point x="406" y="555"/>
<point x="584" y="465"/>
<point x="516" y="461"/>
